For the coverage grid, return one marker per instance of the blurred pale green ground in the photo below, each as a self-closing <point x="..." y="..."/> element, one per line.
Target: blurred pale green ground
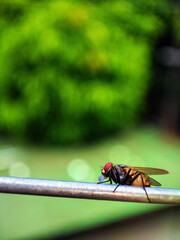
<point x="27" y="217"/>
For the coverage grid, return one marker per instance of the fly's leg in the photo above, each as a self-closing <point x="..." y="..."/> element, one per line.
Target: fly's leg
<point x="114" y="175"/>
<point x="136" y="176"/>
<point x="116" y="188"/>
<point x="109" y="180"/>
<point x="145" y="190"/>
<point x="123" y="180"/>
<point x="125" y="177"/>
<point x="105" y="181"/>
<point x="117" y="177"/>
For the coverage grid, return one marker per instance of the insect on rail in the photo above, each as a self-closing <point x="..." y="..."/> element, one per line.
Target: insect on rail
<point x="127" y="175"/>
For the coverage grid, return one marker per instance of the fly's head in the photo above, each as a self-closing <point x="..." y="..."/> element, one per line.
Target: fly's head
<point x="105" y="172"/>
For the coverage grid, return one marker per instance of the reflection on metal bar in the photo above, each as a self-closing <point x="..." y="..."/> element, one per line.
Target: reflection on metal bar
<point x="84" y="190"/>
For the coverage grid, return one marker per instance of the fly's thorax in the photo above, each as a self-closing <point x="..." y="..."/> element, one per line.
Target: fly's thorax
<point x="117" y="174"/>
<point x="120" y="171"/>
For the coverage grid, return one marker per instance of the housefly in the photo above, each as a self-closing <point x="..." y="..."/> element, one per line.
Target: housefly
<point x="127" y="175"/>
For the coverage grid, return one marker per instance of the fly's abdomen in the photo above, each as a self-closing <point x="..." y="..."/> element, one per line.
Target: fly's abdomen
<point x="140" y="181"/>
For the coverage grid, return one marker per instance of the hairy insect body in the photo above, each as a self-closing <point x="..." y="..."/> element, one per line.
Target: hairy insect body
<point x="135" y="178"/>
<point x="127" y="175"/>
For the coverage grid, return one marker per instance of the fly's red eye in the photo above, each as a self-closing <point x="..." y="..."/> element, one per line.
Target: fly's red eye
<point x="107" y="166"/>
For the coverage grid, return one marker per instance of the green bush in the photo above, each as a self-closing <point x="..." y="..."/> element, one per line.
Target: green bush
<point x="75" y="70"/>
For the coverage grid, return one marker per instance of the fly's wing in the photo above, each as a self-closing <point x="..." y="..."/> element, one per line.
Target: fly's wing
<point x="153" y="181"/>
<point x="148" y="171"/>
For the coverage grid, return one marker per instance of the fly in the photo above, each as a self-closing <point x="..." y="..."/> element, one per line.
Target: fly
<point x="127" y="175"/>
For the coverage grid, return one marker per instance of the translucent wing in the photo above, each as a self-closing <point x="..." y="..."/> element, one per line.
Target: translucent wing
<point x="153" y="181"/>
<point x="148" y="171"/>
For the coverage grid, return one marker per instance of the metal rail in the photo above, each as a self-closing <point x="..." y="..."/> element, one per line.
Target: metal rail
<point x="84" y="190"/>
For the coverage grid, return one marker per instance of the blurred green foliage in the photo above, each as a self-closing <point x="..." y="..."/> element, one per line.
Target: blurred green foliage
<point x="75" y="70"/>
<point x="176" y="25"/>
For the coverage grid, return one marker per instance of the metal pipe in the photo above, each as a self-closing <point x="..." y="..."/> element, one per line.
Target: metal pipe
<point x="86" y="190"/>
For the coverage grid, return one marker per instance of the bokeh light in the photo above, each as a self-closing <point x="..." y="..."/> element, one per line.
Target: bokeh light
<point x="119" y="154"/>
<point x="79" y="170"/>
<point x="8" y="155"/>
<point x="19" y="169"/>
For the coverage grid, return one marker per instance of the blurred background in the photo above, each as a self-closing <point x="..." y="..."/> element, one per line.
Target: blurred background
<point x="83" y="83"/>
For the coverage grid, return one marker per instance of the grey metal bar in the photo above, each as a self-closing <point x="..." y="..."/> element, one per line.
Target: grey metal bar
<point x="84" y="190"/>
